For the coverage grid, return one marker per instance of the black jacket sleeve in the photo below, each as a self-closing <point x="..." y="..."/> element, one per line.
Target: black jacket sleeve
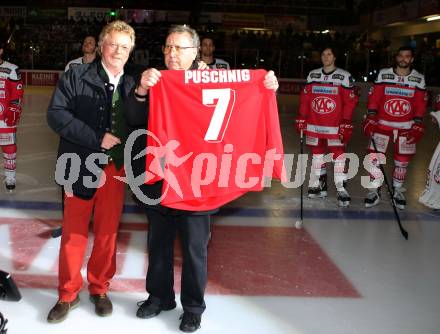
<point x="61" y="115"/>
<point x="136" y="112"/>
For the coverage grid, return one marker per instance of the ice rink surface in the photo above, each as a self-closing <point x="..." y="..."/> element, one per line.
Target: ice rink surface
<point x="347" y="271"/>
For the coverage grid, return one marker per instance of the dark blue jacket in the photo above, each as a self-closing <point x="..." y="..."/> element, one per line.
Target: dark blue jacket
<point x="79" y="112"/>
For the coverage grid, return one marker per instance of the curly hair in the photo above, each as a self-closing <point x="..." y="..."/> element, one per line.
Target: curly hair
<point x="119" y="26"/>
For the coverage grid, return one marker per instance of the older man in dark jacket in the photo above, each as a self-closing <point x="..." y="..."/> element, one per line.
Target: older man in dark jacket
<point x="88" y="110"/>
<point x="180" y="53"/>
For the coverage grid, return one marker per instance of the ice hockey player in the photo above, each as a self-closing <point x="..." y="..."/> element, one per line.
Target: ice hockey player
<point x="11" y="95"/>
<point x="326" y="107"/>
<point x="396" y="107"/>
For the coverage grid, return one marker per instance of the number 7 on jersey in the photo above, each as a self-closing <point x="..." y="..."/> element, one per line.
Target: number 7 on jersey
<point x="222" y="111"/>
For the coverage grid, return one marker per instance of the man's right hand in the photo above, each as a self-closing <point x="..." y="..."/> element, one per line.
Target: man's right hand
<point x="108" y="141"/>
<point x="149" y="78"/>
<point x="300" y="124"/>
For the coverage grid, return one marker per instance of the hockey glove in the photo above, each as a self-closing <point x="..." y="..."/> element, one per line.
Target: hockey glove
<point x="369" y="125"/>
<point x="345" y="131"/>
<point x="414" y="134"/>
<point x="12" y="116"/>
<point x="300" y="124"/>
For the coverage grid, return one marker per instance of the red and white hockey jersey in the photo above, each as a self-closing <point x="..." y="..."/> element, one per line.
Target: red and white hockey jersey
<point x="326" y="100"/>
<point x="219" y="132"/>
<point x="11" y="95"/>
<point x="398" y="99"/>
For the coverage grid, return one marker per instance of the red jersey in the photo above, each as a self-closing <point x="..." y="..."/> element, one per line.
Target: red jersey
<point x="437" y="103"/>
<point x="218" y="130"/>
<point x="397" y="99"/>
<point x="326" y="100"/>
<point x="11" y="95"/>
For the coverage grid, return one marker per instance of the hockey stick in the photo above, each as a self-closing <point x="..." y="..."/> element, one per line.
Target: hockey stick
<point x="396" y="214"/>
<point x="298" y="223"/>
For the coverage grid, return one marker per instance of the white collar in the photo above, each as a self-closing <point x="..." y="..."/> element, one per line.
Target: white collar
<point x="114" y="80"/>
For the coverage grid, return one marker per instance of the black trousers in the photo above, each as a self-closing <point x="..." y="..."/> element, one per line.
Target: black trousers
<point x="194" y="229"/>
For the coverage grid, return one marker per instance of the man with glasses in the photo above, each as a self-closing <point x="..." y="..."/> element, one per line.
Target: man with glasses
<point x="180" y="53"/>
<point x="88" y="110"/>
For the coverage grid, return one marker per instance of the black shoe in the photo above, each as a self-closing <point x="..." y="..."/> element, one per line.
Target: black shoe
<point x="190" y="322"/>
<point x="148" y="308"/>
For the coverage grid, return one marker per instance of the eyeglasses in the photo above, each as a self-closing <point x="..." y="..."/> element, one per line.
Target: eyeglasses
<point x="166" y="49"/>
<point x="114" y="47"/>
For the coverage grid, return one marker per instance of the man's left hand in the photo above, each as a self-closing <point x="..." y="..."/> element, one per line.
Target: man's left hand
<point x="201" y="65"/>
<point x="270" y="81"/>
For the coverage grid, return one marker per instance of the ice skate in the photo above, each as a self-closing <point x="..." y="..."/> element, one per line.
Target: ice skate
<point x="399" y="198"/>
<point x="344" y="198"/>
<point x="319" y="191"/>
<point x="373" y="198"/>
<point x="10" y="184"/>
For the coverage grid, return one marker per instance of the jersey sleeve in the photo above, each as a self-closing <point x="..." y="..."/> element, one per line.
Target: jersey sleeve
<point x="15" y="92"/>
<point x="420" y="103"/>
<point x="350" y="101"/>
<point x="375" y="97"/>
<point x="304" y="102"/>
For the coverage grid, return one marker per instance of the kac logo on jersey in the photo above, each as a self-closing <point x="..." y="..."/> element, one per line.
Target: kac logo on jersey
<point x="397" y="107"/>
<point x="323" y="105"/>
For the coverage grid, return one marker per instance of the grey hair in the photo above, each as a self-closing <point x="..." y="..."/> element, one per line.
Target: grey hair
<point x="119" y="26"/>
<point x="184" y="28"/>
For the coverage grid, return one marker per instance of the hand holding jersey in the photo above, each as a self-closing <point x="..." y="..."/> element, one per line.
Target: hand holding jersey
<point x="148" y="79"/>
<point x="270" y="81"/>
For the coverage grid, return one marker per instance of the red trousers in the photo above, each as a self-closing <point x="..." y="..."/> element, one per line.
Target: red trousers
<point x="106" y="206"/>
